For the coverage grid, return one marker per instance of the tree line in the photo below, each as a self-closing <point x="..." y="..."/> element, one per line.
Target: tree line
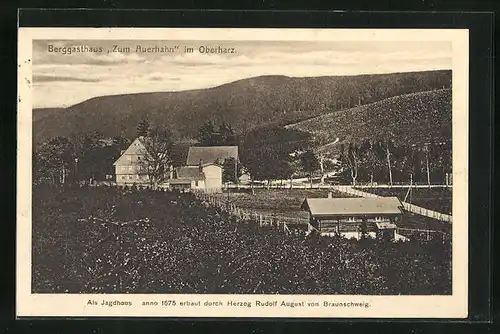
<point x="88" y="156"/>
<point x="384" y="161"/>
<point x="265" y="154"/>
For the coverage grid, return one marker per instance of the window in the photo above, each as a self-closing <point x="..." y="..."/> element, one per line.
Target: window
<point x="130" y="168"/>
<point x="196" y="183"/>
<point x="130" y="177"/>
<point x="137" y="177"/>
<point x="129" y="157"/>
<point x="123" y="177"/>
<point x="138" y="158"/>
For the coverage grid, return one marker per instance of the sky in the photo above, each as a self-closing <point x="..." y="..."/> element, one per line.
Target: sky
<point x="64" y="79"/>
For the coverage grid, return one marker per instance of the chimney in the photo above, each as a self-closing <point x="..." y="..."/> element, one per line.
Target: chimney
<point x="201" y="165"/>
<point x="171" y="171"/>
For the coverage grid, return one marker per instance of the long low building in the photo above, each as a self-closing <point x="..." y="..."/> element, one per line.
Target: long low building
<point x="353" y="217"/>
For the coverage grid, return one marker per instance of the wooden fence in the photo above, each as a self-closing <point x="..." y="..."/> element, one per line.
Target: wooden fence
<point x="297" y="225"/>
<point x="407" y="206"/>
<point x="286" y="224"/>
<point x="422" y="234"/>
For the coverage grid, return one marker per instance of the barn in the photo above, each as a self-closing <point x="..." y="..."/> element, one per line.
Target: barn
<point x="352" y="217"/>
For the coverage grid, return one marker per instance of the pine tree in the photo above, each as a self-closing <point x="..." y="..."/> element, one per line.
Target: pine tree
<point x="143" y="128"/>
<point x="207" y="135"/>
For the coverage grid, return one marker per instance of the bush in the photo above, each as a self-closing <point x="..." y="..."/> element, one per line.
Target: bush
<point x="185" y="246"/>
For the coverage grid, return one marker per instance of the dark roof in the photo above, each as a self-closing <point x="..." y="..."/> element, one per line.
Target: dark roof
<point x="352" y="206"/>
<point x="180" y="181"/>
<point x="189" y="172"/>
<point x="210" y="154"/>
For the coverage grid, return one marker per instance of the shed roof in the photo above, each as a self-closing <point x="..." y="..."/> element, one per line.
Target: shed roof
<point x="211" y="154"/>
<point x="189" y="172"/>
<point x="180" y="181"/>
<point x="352" y="206"/>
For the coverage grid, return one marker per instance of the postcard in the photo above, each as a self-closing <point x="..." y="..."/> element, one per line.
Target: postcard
<point x="249" y="173"/>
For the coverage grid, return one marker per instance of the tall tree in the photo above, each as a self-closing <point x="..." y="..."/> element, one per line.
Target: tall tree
<point x="158" y="158"/>
<point x="427" y="150"/>
<point x="350" y="158"/>
<point x="207" y="135"/>
<point x="227" y="136"/>
<point x="143" y="128"/>
<point x="231" y="170"/>
<point x="86" y="149"/>
<point x="267" y="153"/>
<point x="388" y="145"/>
<point x="55" y="160"/>
<point x="310" y="163"/>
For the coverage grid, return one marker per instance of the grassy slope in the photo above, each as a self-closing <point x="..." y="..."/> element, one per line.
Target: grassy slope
<point x="245" y="103"/>
<point x="411" y="118"/>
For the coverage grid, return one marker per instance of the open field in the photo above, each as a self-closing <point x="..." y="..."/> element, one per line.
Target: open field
<point x="275" y="202"/>
<point x="110" y="240"/>
<point x="437" y="199"/>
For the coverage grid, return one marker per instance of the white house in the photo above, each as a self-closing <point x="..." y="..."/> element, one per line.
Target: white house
<point x="206" y="176"/>
<point x="129" y="168"/>
<point x="203" y="168"/>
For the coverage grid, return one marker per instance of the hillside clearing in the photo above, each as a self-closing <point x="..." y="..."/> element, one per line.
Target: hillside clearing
<point x="410" y="119"/>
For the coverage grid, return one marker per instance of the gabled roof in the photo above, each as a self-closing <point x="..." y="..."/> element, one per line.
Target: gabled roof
<point x="189" y="172"/>
<point x="137" y="148"/>
<point x="352" y="206"/>
<point x="210" y="154"/>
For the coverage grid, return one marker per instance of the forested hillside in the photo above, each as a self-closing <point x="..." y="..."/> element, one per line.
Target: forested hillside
<point x="246" y="104"/>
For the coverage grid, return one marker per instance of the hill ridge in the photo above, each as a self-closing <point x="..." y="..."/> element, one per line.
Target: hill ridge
<point x="246" y="103"/>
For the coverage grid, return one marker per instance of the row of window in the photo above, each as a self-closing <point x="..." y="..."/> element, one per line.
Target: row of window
<point x="126" y="168"/>
<point x="132" y="177"/>
<point x="129" y="157"/>
<point x="355" y="219"/>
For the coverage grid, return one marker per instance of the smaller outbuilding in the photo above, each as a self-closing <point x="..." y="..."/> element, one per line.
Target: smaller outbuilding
<point x="375" y="217"/>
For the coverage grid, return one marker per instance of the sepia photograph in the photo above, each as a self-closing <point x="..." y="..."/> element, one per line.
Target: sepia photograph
<point x="279" y="174"/>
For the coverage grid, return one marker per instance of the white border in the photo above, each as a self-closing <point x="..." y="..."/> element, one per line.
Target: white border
<point x="454" y="306"/>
